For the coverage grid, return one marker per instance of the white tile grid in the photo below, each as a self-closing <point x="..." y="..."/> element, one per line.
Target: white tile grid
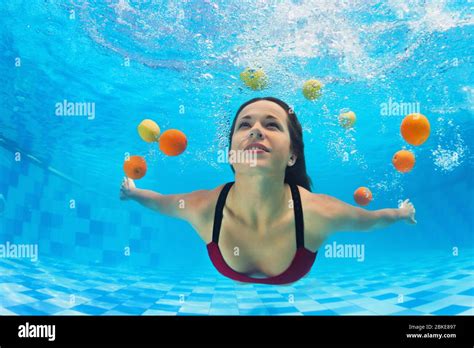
<point x="376" y="306"/>
<point x="6" y="288"/>
<point x="64" y="301"/>
<point x="15" y="299"/>
<point x="459" y="300"/>
<point x="70" y="312"/>
<point x="4" y="311"/>
<point x="158" y="312"/>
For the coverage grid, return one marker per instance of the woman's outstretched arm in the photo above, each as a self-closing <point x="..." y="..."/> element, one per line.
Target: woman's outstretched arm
<point x="182" y="206"/>
<point x="346" y="217"/>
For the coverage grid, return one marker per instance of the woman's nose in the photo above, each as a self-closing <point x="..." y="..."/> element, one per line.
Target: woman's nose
<point x="256" y="133"/>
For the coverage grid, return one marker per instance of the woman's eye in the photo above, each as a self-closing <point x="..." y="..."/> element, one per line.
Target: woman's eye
<point x="273" y="124"/>
<point x="244" y="124"/>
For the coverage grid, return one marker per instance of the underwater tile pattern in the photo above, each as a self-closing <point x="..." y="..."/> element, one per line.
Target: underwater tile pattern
<point x="433" y="285"/>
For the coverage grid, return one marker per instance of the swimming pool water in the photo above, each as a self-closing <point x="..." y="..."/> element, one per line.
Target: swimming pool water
<point x="179" y="64"/>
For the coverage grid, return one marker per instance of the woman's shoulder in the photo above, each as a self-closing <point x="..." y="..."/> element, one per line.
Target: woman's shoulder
<point x="204" y="201"/>
<point x="319" y="202"/>
<point x="320" y="209"/>
<point x="203" y="206"/>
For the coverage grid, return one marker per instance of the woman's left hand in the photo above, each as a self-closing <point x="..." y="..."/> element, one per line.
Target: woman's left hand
<point x="407" y="210"/>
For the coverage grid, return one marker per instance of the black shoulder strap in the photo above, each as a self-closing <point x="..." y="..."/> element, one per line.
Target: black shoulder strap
<point x="299" y="221"/>
<point x="218" y="212"/>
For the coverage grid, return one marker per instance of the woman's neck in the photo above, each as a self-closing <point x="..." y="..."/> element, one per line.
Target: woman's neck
<point x="258" y="199"/>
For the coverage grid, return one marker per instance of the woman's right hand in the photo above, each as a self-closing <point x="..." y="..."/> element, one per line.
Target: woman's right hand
<point x="127" y="188"/>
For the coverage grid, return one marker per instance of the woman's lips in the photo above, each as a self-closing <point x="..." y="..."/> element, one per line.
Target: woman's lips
<point x="257" y="147"/>
<point x="257" y="150"/>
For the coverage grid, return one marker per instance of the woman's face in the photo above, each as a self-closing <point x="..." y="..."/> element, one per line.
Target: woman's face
<point x="263" y="122"/>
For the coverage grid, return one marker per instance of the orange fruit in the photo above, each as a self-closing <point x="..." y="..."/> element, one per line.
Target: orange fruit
<point x="362" y="196"/>
<point x="173" y="142"/>
<point x="415" y="129"/>
<point x="135" y="167"/>
<point x="403" y="161"/>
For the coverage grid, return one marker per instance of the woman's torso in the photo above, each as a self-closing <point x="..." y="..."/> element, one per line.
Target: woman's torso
<point x="259" y="254"/>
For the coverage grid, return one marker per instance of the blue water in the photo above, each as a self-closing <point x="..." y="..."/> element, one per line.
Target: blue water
<point x="179" y="65"/>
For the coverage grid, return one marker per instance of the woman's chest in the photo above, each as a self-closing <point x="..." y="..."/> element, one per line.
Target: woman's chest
<point x="268" y="251"/>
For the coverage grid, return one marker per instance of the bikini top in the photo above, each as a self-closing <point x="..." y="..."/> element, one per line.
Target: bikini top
<point x="300" y="265"/>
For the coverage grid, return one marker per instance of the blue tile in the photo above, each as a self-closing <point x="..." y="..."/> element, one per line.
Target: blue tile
<point x="130" y="310"/>
<point x="281" y="310"/>
<point x="165" y="307"/>
<point x="147" y="233"/>
<point x="109" y="299"/>
<point x="83" y="210"/>
<point x="13" y="178"/>
<point x="93" y="292"/>
<point x="440" y="288"/>
<point x="154" y="259"/>
<point x="459" y="276"/>
<point x="23" y="214"/>
<point x="469" y="292"/>
<point x="111" y="256"/>
<point x="451" y="310"/>
<point x="329" y="300"/>
<point x="200" y="297"/>
<point x="45" y="307"/>
<point x="254" y="311"/>
<point x="362" y="290"/>
<point x="128" y="292"/>
<point x="135" y="218"/>
<point x="408" y="312"/>
<point x="349" y="309"/>
<point x="322" y="312"/>
<point x="182" y="289"/>
<point x="414" y="285"/>
<point x="96" y="240"/>
<point x="60" y="288"/>
<point x="413" y="303"/>
<point x="37" y="295"/>
<point x="96" y="227"/>
<point x="44" y="233"/>
<point x="82" y="239"/>
<point x="154" y="293"/>
<point x="87" y="309"/>
<point x="58" y="249"/>
<point x="26" y="310"/>
<point x="386" y="296"/>
<point x="274" y="300"/>
<point x="421" y="294"/>
<point x="435" y="297"/>
<point x="187" y="314"/>
<point x="135" y="245"/>
<point x="51" y="220"/>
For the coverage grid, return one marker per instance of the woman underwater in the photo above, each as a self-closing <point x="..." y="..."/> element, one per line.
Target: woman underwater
<point x="267" y="225"/>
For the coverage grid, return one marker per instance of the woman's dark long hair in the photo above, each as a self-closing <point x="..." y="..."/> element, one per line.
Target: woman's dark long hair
<point x="295" y="174"/>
